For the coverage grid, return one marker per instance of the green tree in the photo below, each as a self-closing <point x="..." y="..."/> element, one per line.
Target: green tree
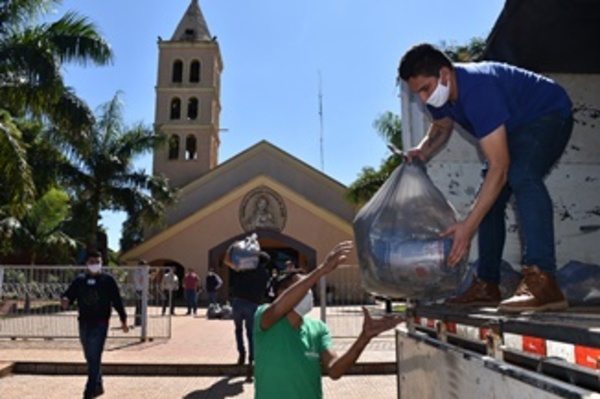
<point x="39" y="234"/>
<point x="102" y="176"/>
<point x="389" y="128"/>
<point x="32" y="55"/>
<point x="472" y="51"/>
<point x="31" y="84"/>
<point x="14" y="169"/>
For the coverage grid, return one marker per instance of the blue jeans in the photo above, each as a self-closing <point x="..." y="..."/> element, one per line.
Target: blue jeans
<point x="243" y="313"/>
<point x="92" y="336"/>
<point x="212" y="296"/>
<point x="190" y="296"/>
<point x="533" y="148"/>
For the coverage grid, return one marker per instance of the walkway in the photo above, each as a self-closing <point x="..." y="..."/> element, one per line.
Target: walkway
<point x="197" y="362"/>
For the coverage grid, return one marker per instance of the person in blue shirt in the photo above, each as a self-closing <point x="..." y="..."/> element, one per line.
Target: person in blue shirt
<point x="522" y="122"/>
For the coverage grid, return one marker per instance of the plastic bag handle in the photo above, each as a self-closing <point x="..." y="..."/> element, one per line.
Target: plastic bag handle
<point x="397" y="151"/>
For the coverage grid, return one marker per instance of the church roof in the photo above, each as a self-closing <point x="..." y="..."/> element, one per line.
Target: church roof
<point x="192" y="26"/>
<point x="547" y="36"/>
<point x="261" y="165"/>
<point x="265" y="159"/>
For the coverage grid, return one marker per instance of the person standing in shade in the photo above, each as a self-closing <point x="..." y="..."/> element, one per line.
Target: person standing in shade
<point x="293" y="349"/>
<point x="95" y="293"/>
<point x="191" y="282"/>
<point x="169" y="286"/>
<point x="289" y="265"/>
<point x="213" y="283"/>
<point x="249" y="291"/>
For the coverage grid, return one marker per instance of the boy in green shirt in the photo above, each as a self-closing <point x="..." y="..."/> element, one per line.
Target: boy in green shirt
<point x="292" y="349"/>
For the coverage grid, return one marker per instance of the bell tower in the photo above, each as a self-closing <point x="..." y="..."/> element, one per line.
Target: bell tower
<point x="188" y="100"/>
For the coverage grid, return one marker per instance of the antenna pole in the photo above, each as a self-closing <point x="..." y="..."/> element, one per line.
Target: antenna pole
<point x="322" y="280"/>
<point x="321" y="123"/>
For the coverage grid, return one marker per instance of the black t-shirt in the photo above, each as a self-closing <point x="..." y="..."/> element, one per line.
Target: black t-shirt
<point x="250" y="285"/>
<point x="95" y="294"/>
<point x="211" y="283"/>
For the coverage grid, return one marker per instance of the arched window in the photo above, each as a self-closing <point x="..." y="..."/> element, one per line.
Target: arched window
<point x="191" y="148"/>
<point x="192" y="109"/>
<point x="175" y="108"/>
<point x="195" y="71"/>
<point x="173" y="147"/>
<point x="177" y="72"/>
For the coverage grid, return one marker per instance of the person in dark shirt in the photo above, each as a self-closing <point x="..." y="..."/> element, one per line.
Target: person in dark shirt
<point x="95" y="293"/>
<point x="213" y="282"/>
<point x="249" y="289"/>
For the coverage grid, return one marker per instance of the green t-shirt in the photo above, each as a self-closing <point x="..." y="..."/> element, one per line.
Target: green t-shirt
<point x="288" y="360"/>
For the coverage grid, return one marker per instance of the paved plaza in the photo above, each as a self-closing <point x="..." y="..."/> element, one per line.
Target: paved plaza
<point x="197" y="362"/>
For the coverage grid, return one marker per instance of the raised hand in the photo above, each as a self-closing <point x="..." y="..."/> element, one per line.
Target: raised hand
<point x="337" y="255"/>
<point x="373" y="327"/>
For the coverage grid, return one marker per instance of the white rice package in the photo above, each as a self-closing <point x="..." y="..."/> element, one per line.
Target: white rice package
<point x="245" y="253"/>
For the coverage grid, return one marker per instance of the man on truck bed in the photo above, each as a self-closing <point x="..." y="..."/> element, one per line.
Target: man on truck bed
<point x="523" y="122"/>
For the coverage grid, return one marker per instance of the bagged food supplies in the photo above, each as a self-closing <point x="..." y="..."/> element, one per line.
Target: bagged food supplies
<point x="245" y="253"/>
<point x="397" y="233"/>
<point x="580" y="283"/>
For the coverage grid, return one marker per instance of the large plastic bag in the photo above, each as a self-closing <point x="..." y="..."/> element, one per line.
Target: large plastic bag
<point x="400" y="251"/>
<point x="245" y="253"/>
<point x="580" y="282"/>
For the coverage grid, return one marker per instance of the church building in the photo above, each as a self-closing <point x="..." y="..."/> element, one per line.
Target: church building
<point x="298" y="213"/>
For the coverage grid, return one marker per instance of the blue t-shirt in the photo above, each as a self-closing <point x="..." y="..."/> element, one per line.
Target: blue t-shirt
<point x="491" y="94"/>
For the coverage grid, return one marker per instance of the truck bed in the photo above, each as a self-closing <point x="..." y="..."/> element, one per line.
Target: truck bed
<point x="563" y="345"/>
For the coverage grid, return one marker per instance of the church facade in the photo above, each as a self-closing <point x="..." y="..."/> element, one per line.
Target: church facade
<point x="298" y="213"/>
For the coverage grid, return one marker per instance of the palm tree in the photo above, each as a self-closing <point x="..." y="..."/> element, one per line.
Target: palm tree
<point x="31" y="57"/>
<point x="14" y="169"/>
<point x="102" y="175"/>
<point x="31" y="84"/>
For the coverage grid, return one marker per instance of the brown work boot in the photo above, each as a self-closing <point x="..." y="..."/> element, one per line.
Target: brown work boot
<point x="538" y="291"/>
<point x="480" y="293"/>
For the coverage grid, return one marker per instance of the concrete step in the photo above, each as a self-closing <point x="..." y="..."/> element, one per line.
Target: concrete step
<point x="145" y="369"/>
<point x="6" y="368"/>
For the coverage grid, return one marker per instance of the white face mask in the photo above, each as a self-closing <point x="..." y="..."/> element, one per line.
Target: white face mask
<point x="95" y="267"/>
<point x="440" y="95"/>
<point x="305" y="305"/>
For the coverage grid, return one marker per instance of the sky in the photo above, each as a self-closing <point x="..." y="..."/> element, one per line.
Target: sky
<point x="280" y="57"/>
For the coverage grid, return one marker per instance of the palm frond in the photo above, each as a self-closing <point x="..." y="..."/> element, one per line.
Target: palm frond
<point x="75" y="39"/>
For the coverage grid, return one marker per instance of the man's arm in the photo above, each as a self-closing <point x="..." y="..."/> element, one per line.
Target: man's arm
<point x="336" y="366"/>
<point x="436" y="137"/>
<point x="68" y="297"/>
<point x="495" y="149"/>
<point x="117" y="303"/>
<point x="285" y="302"/>
<point x="227" y="259"/>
